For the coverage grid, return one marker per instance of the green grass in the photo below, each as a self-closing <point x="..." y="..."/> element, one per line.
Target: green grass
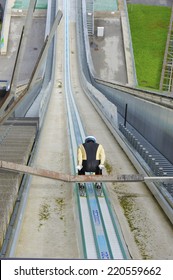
<point x="149" y="28"/>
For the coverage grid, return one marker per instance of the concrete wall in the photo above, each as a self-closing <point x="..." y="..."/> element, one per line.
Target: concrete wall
<point x="153" y="121"/>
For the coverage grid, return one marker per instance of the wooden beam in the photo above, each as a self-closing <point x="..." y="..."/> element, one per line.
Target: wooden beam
<point x="20" y="168"/>
<point x="15" y="167"/>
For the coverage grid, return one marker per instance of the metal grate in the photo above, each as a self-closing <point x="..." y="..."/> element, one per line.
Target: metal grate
<point x="90" y="16"/>
<point x="156" y="162"/>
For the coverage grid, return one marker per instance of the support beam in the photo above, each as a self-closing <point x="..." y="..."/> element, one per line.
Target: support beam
<point x="14" y="167"/>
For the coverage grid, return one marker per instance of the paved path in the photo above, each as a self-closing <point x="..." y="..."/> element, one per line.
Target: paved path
<point x="35" y="43"/>
<point x="152" y="2"/>
<point x="111" y="68"/>
<point x="117" y="67"/>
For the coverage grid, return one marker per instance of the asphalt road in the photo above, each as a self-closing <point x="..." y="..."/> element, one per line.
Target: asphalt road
<point x="35" y="43"/>
<point x="152" y="2"/>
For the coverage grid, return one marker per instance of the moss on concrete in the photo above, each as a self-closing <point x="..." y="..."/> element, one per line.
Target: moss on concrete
<point x="108" y="167"/>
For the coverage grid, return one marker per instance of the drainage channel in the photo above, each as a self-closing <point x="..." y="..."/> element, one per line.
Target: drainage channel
<point x="99" y="230"/>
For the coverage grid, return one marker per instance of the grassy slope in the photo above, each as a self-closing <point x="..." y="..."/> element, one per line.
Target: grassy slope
<point x="149" y="27"/>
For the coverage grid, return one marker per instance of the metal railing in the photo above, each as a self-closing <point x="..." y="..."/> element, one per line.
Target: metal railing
<point x="166" y="81"/>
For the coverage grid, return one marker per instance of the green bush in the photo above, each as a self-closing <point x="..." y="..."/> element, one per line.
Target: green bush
<point x="149" y="28"/>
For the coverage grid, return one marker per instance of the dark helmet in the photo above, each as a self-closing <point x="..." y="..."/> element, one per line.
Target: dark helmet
<point x="90" y="139"/>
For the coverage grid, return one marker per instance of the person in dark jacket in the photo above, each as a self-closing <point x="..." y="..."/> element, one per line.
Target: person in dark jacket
<point x="90" y="157"/>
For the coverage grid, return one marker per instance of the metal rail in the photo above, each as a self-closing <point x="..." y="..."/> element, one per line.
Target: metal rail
<point x="156" y="97"/>
<point x="166" y="81"/>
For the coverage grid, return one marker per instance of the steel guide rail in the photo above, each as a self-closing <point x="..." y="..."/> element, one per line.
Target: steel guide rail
<point x="83" y="213"/>
<point x="100" y="235"/>
<point x="95" y="236"/>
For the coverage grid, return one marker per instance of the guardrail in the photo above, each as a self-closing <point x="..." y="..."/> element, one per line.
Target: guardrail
<point x="166" y="80"/>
